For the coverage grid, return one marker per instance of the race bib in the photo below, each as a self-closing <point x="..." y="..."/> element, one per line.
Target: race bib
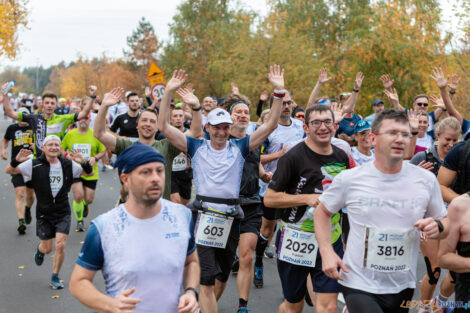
<point x="56" y="179"/>
<point x="84" y="148"/>
<point x="298" y="247"/>
<point x="54" y="129"/>
<point x="180" y="163"/>
<point x="389" y="250"/>
<point x="133" y="139"/>
<point x="213" y="229"/>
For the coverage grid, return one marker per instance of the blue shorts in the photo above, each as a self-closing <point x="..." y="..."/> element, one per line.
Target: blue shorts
<point x="294" y="277"/>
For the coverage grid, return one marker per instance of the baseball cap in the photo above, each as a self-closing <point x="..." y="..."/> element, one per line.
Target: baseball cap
<point x="377" y="102"/>
<point x="219" y="116"/>
<point x="325" y="102"/>
<point x="361" y="126"/>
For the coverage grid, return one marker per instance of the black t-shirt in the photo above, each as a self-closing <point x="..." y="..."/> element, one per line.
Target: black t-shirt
<point x="127" y="126"/>
<point x="303" y="171"/>
<point x="451" y="161"/>
<point x="21" y="138"/>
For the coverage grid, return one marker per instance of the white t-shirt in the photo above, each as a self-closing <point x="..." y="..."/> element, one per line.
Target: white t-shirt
<point x="383" y="201"/>
<point x="360" y="158"/>
<point x="56" y="177"/>
<point x="426" y="141"/>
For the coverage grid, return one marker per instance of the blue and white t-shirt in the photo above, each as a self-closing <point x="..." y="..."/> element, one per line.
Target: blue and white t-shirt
<point x="148" y="254"/>
<point x="218" y="173"/>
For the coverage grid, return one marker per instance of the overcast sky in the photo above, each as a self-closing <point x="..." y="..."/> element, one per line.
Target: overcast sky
<point x="63" y="29"/>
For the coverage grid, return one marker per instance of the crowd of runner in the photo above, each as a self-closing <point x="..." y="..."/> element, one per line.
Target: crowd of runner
<point x="348" y="201"/>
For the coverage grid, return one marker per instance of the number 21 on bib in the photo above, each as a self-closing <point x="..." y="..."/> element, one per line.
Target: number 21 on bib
<point x="389" y="250"/>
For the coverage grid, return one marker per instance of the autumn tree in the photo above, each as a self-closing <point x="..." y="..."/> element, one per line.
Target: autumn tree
<point x="143" y="44"/>
<point x="14" y="15"/>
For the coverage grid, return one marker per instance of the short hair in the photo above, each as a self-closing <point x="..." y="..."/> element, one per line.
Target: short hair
<point x="389" y="114"/>
<point x="318" y="108"/>
<point x="421" y="96"/>
<point x="234" y="98"/>
<point x="146" y="110"/>
<point x="177" y="108"/>
<point x="131" y="94"/>
<point x="49" y="95"/>
<point x="449" y="122"/>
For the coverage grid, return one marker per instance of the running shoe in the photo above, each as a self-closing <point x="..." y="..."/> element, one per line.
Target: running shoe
<point x="85" y="210"/>
<point x="268" y="253"/>
<point x="235" y="266"/>
<point x="27" y="215"/>
<point x="258" y="279"/>
<point x="56" y="283"/>
<point x="21" y="227"/>
<point x="109" y="167"/>
<point x="103" y="169"/>
<point x="80" y="227"/>
<point x="38" y="257"/>
<point x="243" y="309"/>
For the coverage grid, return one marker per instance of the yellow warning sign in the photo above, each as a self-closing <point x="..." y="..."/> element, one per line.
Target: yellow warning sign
<point x="154" y="71"/>
<point x="156" y="80"/>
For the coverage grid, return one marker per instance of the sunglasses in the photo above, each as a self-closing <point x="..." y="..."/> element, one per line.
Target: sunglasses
<point x="422" y="104"/>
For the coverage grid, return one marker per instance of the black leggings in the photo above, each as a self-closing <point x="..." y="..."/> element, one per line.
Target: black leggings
<point x="359" y="301"/>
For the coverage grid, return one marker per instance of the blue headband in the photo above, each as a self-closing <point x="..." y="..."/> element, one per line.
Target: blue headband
<point x="136" y="155"/>
<point x="235" y="103"/>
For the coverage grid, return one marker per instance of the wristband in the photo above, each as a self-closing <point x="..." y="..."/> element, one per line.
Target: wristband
<point x="14" y="163"/>
<point x="87" y="168"/>
<point x="439" y="225"/>
<point x="197" y="109"/>
<point x="196" y="293"/>
<point x="452" y="92"/>
<point x="93" y="97"/>
<point x="414" y="133"/>
<point x="355" y="90"/>
<point x="279" y="94"/>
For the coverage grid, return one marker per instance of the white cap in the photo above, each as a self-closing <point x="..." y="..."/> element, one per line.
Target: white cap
<point x="49" y="138"/>
<point x="128" y="93"/>
<point x="219" y="116"/>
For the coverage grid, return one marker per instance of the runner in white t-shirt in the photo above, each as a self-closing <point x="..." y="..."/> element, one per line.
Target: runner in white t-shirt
<point x="217" y="168"/>
<point x="388" y="203"/>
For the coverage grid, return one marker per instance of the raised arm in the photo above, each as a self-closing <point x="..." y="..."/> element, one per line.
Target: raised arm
<point x="442" y="82"/>
<point x="174" y="136"/>
<point x="350" y="104"/>
<point x="393" y="99"/>
<point x="188" y="97"/>
<point x="276" y="77"/>
<point x="322" y="79"/>
<point x="440" y="107"/>
<point x="7" y="106"/>
<point x="21" y="157"/>
<point x="88" y="103"/>
<point x="99" y="128"/>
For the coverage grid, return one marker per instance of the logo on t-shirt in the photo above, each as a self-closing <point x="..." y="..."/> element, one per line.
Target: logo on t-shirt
<point x="125" y="121"/>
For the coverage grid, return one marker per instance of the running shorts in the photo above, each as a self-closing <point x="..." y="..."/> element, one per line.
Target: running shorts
<point x="46" y="227"/>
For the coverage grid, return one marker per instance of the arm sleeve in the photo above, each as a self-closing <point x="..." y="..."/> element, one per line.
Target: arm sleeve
<point x="91" y="256"/>
<point x="243" y="144"/>
<point x="193" y="145"/>
<point x="451" y="161"/>
<point x="114" y="127"/>
<point x="333" y="197"/>
<point x="436" y="207"/>
<point x="418" y="157"/>
<point x="26" y="169"/>
<point x="283" y="175"/>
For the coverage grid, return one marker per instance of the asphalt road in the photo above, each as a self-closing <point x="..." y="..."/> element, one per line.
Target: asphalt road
<point x="25" y="287"/>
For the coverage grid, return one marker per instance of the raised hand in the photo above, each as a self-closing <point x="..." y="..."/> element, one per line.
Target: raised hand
<point x="235" y="89"/>
<point x="358" y="81"/>
<point x="92" y="90"/>
<point x="438" y="102"/>
<point x="414" y="120"/>
<point x="387" y="81"/>
<point x="276" y="77"/>
<point x="337" y="109"/>
<point x="112" y="97"/>
<point x="264" y="95"/>
<point x="188" y="97"/>
<point x="439" y="78"/>
<point x="454" y="82"/>
<point x="323" y="76"/>
<point x="23" y="155"/>
<point x="147" y="91"/>
<point x="77" y="156"/>
<point x="177" y="80"/>
<point x="392" y="95"/>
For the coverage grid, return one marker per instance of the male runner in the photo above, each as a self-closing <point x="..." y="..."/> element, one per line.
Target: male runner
<point x="388" y="202"/>
<point x="82" y="139"/>
<point x="125" y="125"/>
<point x="52" y="208"/>
<point x="21" y="136"/>
<point x="147" y="128"/>
<point x="145" y="247"/>
<point x="208" y="104"/>
<point x="217" y="167"/>
<point x="302" y="174"/>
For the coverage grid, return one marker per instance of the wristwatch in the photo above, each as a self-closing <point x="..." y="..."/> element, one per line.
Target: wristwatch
<point x="196" y="293"/>
<point x="439" y="225"/>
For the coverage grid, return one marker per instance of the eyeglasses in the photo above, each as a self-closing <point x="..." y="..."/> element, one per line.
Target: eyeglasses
<point x="394" y="134"/>
<point x="422" y="104"/>
<point x="287" y="102"/>
<point x="317" y="123"/>
<point x="300" y="116"/>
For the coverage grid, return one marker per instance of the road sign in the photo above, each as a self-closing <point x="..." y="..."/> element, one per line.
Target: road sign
<point x="156" y="80"/>
<point x="157" y="91"/>
<point x="154" y="71"/>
